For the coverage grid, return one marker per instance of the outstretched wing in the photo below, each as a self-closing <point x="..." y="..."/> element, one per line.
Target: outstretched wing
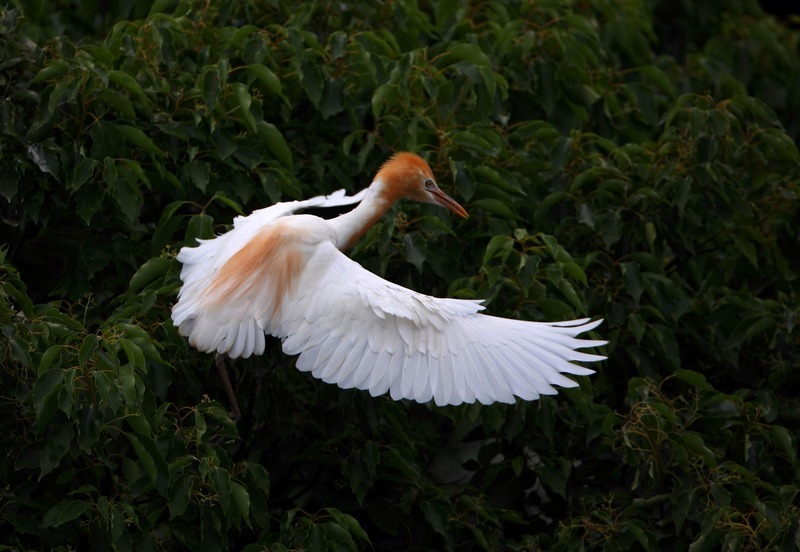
<point x="213" y="253"/>
<point x="339" y="198"/>
<point x="355" y="329"/>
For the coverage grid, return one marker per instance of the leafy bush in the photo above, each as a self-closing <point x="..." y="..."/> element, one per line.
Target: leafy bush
<point x="610" y="170"/>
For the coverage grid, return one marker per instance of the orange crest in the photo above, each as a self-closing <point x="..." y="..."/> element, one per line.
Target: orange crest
<point x="403" y="173"/>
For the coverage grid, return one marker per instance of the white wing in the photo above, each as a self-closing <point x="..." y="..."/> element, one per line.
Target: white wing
<point x="209" y="329"/>
<point x="355" y="329"/>
<point x="219" y="249"/>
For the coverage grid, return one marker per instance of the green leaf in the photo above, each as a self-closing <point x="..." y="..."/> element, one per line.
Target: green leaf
<point x="87" y="350"/>
<point x="127" y="82"/>
<point x="225" y="147"/>
<point x="312" y="80"/>
<point x="199" y="173"/>
<point x="225" y="200"/>
<point x="271" y="137"/>
<point x="54" y="70"/>
<point x="200" y="226"/>
<point x="659" y="78"/>
<point x="555" y="309"/>
<point x="88" y="203"/>
<point x="611" y="228"/>
<point x="20" y="352"/>
<point x="210" y="84"/>
<point x="555" y="478"/>
<point x="645" y="537"/>
<point x="260" y="476"/>
<point x="65" y="511"/>
<point x="379" y="98"/>
<point x="696" y="444"/>
<point x="63" y="93"/>
<point x="55" y="449"/>
<point x="517" y="465"/>
<point x="152" y="269"/>
<point x="575" y="272"/>
<point x="45" y="395"/>
<point x="66" y="395"/>
<point x="758" y="327"/>
<point x="414" y="250"/>
<point x="349" y="522"/>
<point x="332" y="101"/>
<point x="464" y="52"/>
<point x="152" y="461"/>
<point x="138" y="138"/>
<point x="48" y="357"/>
<point x="496" y="207"/>
<point x="503" y="181"/>
<point x="475" y="142"/>
<point x="139" y="423"/>
<point x="245" y="100"/>
<point x="633" y="281"/>
<point x="695" y="379"/>
<point x="242" y="500"/>
<point x="9" y="183"/>
<point x="436" y="516"/>
<point x="99" y="53"/>
<point x="45" y="159"/>
<point x="107" y="141"/>
<point x="180" y="494"/>
<point x="501" y="245"/>
<point x="83" y="172"/>
<point x="568" y="290"/>
<point x="118" y="102"/>
<point x="267" y="79"/>
<point x="221" y="483"/>
<point x="136" y="358"/>
<point x="785" y="441"/>
<point x="479" y="536"/>
<point x="781" y="144"/>
<point x="746" y="247"/>
<point x="200" y="426"/>
<point x="637" y="326"/>
<point x="90" y="426"/>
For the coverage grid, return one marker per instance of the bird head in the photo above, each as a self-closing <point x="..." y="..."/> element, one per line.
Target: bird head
<point x="407" y="175"/>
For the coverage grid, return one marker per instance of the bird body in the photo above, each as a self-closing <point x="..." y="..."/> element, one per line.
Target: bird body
<point x="281" y="273"/>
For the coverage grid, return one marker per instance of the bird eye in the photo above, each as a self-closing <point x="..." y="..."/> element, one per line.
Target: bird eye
<point x="429" y="184"/>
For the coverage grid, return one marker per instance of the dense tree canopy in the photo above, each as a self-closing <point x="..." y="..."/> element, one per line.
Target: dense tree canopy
<point x="635" y="161"/>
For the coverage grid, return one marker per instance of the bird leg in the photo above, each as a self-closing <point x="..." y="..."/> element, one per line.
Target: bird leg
<point x="222" y="368"/>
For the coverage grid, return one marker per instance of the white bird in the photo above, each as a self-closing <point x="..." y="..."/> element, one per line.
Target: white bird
<point x="284" y="274"/>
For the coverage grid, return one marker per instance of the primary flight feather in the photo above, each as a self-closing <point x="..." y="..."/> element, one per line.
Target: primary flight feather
<point x="283" y="274"/>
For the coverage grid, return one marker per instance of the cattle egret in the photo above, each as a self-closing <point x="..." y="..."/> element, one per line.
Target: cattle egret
<point x="284" y="274"/>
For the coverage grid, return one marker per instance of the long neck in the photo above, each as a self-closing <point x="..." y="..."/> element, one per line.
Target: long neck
<point x="350" y="226"/>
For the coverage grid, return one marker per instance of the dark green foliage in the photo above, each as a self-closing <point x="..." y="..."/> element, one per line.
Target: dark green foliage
<point x="630" y="160"/>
